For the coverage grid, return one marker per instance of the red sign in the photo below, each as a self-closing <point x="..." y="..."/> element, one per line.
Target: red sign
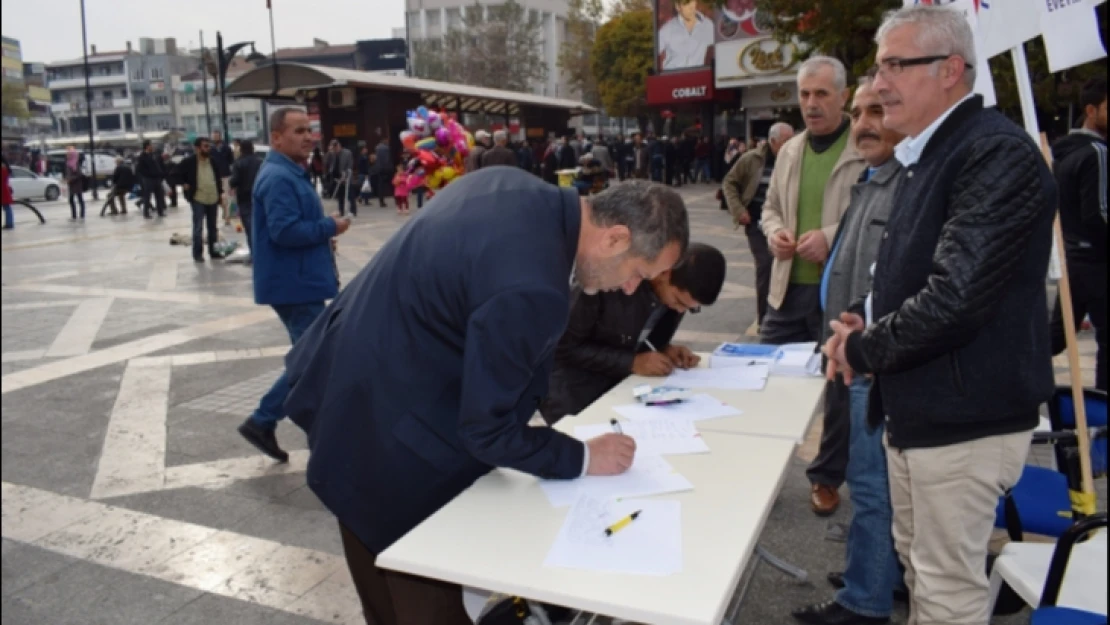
<point x="679" y="87"/>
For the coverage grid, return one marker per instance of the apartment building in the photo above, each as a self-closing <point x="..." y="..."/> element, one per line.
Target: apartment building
<point x="34" y="120"/>
<point x="244" y="115"/>
<point x="131" y="89"/>
<point x="427" y="19"/>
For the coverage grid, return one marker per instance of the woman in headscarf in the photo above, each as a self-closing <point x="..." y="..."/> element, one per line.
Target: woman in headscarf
<point x="75" y="180"/>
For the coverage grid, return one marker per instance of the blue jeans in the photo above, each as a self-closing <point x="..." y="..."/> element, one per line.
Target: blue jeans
<point x="419" y="191"/>
<point x="9" y="219"/>
<point x="872" y="571"/>
<point x="297" y="318"/>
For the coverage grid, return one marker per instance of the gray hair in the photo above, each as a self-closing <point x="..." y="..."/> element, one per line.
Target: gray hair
<point x="939" y="31"/>
<point x="500" y="136"/>
<point x="775" y="133"/>
<point x="655" y="214"/>
<point x="817" y="61"/>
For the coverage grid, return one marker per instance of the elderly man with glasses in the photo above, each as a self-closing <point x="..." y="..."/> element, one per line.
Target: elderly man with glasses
<point x="954" y="331"/>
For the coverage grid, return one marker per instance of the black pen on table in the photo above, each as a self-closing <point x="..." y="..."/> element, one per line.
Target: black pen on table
<point x="616" y="426"/>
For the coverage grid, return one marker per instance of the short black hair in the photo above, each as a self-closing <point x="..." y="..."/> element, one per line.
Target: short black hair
<point x="200" y="140"/>
<point x="146" y="143"/>
<point x="700" y="272"/>
<point x="1093" y="93"/>
<point x="246" y="147"/>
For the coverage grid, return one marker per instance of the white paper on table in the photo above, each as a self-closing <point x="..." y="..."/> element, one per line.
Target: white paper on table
<point x="750" y="378"/>
<point x="648" y="475"/>
<point x="696" y="408"/>
<point x="798" y="364"/>
<point x="649" y="545"/>
<point x="654" y="437"/>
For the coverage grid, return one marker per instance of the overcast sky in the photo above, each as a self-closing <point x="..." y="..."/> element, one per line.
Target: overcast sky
<point x="50" y="30"/>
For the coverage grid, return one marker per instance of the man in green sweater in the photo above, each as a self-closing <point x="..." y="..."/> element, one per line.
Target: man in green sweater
<point x="808" y="194"/>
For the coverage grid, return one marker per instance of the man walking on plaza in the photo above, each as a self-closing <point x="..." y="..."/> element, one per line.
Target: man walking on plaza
<point x="383" y="166"/>
<point x="499" y="154"/>
<point x="294" y="271"/>
<point x="150" y="174"/>
<point x="223" y="157"/>
<point x="808" y="193"/>
<point x="1080" y="164"/>
<point x="745" y="191"/>
<point x="867" y="585"/>
<point x="955" y="329"/>
<point x="423" y="374"/>
<point x="341" y="168"/>
<point x="243" y="174"/>
<point x="123" y="181"/>
<point x="203" y="187"/>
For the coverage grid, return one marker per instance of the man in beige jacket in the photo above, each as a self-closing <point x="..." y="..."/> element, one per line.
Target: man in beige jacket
<point x="809" y="192"/>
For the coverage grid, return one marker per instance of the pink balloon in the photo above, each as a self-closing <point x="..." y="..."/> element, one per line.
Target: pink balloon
<point x="443" y="137"/>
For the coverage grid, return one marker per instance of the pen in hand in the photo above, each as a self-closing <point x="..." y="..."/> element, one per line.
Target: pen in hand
<point x="616" y="426"/>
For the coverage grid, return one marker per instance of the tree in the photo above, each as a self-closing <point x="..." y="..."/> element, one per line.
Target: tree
<point x="623" y="55"/>
<point x="495" y="46"/>
<point x="15" y="101"/>
<point x="846" y="29"/>
<point x="583" y="21"/>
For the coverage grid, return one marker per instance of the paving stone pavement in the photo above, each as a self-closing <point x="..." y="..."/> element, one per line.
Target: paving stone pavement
<point x="129" y="498"/>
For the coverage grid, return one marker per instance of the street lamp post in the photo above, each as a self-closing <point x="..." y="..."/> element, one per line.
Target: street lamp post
<point x="88" y="99"/>
<point x="223" y="61"/>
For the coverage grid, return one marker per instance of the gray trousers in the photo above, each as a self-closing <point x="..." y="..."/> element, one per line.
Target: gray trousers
<point x="800" y="320"/>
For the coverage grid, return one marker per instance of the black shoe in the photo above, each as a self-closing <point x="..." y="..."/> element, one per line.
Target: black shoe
<point x="836" y="580"/>
<point x="832" y="613"/>
<point x="198" y="259"/>
<point x="263" y="440"/>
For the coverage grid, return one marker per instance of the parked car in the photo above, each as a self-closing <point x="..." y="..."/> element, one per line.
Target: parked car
<point x="27" y="185"/>
<point x="105" y="165"/>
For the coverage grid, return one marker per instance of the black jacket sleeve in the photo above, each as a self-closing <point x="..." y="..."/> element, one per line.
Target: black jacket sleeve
<point x="996" y="199"/>
<point x="1092" y="197"/>
<point x="663" y="332"/>
<point x="577" y="349"/>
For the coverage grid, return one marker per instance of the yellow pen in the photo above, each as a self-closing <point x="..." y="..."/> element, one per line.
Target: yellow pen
<point x="621" y="524"/>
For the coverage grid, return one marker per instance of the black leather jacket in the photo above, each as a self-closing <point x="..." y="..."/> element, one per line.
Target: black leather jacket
<point x="601" y="341"/>
<point x="959" y="341"/>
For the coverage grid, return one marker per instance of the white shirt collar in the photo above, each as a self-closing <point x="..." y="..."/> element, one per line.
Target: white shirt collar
<point x="908" y="152"/>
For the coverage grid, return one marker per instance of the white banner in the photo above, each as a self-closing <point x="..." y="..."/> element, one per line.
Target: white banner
<point x="1004" y="24"/>
<point x="1070" y="31"/>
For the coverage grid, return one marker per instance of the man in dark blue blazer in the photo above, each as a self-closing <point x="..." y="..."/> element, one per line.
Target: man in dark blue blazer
<point x="423" y="374"/>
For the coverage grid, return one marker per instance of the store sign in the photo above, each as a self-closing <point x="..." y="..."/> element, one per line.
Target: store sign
<point x="756" y="61"/>
<point x="771" y="96"/>
<point x="344" y="130"/>
<point x="695" y="86"/>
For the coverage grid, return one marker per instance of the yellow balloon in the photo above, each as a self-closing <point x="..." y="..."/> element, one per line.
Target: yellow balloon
<point x="469" y="140"/>
<point x="435" y="181"/>
<point x="447" y="173"/>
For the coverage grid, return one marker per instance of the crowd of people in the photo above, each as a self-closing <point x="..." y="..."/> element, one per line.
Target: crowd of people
<point x="909" y="237"/>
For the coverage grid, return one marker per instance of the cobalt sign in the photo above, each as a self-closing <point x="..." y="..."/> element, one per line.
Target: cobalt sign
<point x="675" y="87"/>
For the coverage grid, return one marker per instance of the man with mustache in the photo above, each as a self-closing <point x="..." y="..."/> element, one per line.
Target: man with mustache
<point x="867" y="585"/>
<point x="955" y="329"/>
<point x="808" y="194"/>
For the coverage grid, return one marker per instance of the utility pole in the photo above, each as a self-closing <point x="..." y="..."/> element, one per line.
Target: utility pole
<point x="88" y="100"/>
<point x="204" y="86"/>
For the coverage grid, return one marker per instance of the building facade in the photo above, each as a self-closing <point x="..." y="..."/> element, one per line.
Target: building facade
<point x="428" y="19"/>
<point x="130" y="89"/>
<point x="244" y="115"/>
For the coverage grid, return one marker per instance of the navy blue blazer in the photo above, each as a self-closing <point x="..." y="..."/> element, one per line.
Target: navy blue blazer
<point x="422" y="375"/>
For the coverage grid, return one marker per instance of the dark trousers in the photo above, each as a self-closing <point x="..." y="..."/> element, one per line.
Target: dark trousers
<point x="245" y="218"/>
<point x="75" y="198"/>
<point x="153" y="186"/>
<point x="761" y="254"/>
<point x="391" y="598"/>
<point x="1088" y="297"/>
<point x="382" y="183"/>
<point x="204" y="213"/>
<point x="797" y="320"/>
<point x="831" y="463"/>
<point x="118" y="193"/>
<point x="343" y="193"/>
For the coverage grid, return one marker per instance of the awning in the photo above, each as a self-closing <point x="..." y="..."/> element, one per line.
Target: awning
<point x="114" y="138"/>
<point x="297" y="78"/>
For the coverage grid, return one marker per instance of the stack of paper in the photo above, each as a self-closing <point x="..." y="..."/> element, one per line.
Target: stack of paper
<point x="649" y="545"/>
<point x="648" y="475"/>
<point x="697" y="408"/>
<point x="654" y="437"/>
<point x="798" y="360"/>
<point x="742" y="355"/>
<point x="746" y="378"/>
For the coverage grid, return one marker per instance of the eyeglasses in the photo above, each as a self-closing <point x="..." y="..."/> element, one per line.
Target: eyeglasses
<point x="894" y="66"/>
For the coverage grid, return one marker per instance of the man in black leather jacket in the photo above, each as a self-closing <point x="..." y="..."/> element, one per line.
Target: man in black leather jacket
<point x="955" y="330"/>
<point x="611" y="335"/>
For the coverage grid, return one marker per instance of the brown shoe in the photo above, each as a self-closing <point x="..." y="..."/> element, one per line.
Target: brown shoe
<point x="824" y="499"/>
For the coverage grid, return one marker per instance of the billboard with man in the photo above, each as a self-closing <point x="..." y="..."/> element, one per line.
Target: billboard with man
<point x="685" y="32"/>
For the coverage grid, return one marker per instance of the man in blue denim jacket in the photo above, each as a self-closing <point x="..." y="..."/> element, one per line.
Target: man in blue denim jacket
<point x="294" y="270"/>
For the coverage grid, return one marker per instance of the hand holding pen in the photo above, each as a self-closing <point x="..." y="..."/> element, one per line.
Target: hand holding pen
<point x="610" y="454"/>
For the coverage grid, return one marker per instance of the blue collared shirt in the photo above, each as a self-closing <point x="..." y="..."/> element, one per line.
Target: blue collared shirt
<point x="825" y="275"/>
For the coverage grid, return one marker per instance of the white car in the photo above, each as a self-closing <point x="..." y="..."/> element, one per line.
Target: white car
<point x="26" y="185"/>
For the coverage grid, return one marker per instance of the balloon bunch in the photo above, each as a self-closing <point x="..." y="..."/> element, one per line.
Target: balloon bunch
<point x="439" y="145"/>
